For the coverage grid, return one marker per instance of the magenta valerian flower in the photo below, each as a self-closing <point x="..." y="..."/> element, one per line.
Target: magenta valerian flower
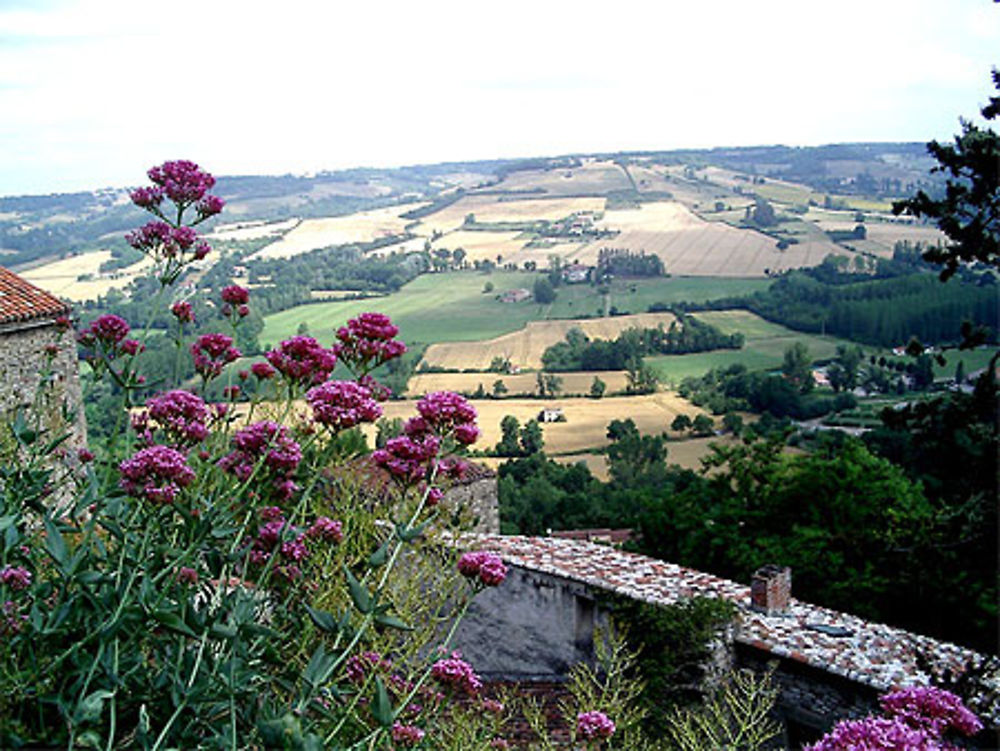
<point x="183" y="311"/>
<point x="444" y="413"/>
<point x="457" y="674"/>
<point x="368" y="341"/>
<point x="147" y="198"/>
<point x="359" y="666"/>
<point x="183" y="181"/>
<point x="84" y="455"/>
<point x="263" y="370"/>
<point x="183" y="416"/>
<point x="209" y="206"/>
<point x="499" y="743"/>
<point x="302" y="360"/>
<point x="932" y="708"/>
<point x="108" y="331"/>
<point x="156" y="473"/>
<point x="489" y="568"/>
<point x="187" y="576"/>
<point x="269" y="443"/>
<point x="407" y="459"/>
<point x="340" y="405"/>
<point x="594" y="725"/>
<point x="11" y="619"/>
<point x="234" y="294"/>
<point x="211" y="352"/>
<point x="326" y="529"/>
<point x="876" y="734"/>
<point x="15" y="577"/>
<point x="406" y="736"/>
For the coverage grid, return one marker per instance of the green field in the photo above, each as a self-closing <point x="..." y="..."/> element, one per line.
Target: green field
<point x="764" y="348"/>
<point x="453" y="306"/>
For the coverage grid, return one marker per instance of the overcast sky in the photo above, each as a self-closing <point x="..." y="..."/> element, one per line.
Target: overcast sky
<point x="93" y="92"/>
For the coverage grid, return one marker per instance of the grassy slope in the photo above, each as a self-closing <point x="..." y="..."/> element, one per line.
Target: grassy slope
<point x="453" y="307"/>
<point x="764" y="348"/>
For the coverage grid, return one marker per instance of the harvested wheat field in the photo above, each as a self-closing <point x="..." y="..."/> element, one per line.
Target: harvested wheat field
<point x="480" y="246"/>
<point x="489" y="209"/>
<point x="691" y="246"/>
<point x="881" y="237"/>
<point x="524" y="348"/>
<point x="586" y="419"/>
<point x="61" y="278"/>
<point x="590" y="177"/>
<point x="363" y="226"/>
<point x="519" y="383"/>
<point x="251" y="230"/>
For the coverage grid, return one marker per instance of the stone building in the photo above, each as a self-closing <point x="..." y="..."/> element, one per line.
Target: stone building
<point x="829" y="665"/>
<point x="35" y="345"/>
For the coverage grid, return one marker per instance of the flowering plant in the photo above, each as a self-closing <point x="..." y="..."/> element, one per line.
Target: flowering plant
<point x="212" y="580"/>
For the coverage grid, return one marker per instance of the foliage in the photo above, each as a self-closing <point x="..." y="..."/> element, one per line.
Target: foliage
<point x="736" y="716"/>
<point x="969" y="211"/>
<point x="672" y="644"/>
<point x="179" y="592"/>
<point x="543" y="291"/>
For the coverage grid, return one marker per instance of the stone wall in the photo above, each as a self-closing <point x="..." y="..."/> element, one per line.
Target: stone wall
<point x="478" y="499"/>
<point x="23" y="363"/>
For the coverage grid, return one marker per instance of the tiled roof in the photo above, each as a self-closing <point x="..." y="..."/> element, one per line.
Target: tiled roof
<point x="22" y="301"/>
<point x="874" y="654"/>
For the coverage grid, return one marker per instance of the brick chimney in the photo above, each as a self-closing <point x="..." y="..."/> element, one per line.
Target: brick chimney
<point x="771" y="589"/>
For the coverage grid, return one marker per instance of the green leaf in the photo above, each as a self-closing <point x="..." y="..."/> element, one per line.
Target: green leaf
<point x="54" y="543"/>
<point x="391" y="621"/>
<point x="7" y="521"/>
<point x="359" y="593"/>
<point x="320" y="667"/>
<point x="172" y="621"/>
<point x="223" y="631"/>
<point x="380" y="556"/>
<point x="409" y="534"/>
<point x="89" y="708"/>
<point x="382" y="709"/>
<point x="324" y="621"/>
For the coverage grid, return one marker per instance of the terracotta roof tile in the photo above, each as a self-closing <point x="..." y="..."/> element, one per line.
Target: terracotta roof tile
<point x="22" y="301"/>
<point x="874" y="654"/>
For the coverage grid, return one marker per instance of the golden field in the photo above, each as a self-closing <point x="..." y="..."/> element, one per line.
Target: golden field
<point x="586" y="419"/>
<point x="251" y="230"/>
<point x="593" y="176"/>
<point x="480" y="246"/>
<point x="524" y="348"/>
<point x="488" y="208"/>
<point x="61" y="277"/>
<point x="363" y="226"/>
<point x="518" y="383"/>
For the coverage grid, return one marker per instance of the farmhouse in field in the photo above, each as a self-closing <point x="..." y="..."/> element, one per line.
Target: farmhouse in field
<point x="575" y="273"/>
<point x="551" y="414"/>
<point x="514" y="295"/>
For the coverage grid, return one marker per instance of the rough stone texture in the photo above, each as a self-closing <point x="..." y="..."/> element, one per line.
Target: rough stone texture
<point x="479" y="499"/>
<point x="23" y="362"/>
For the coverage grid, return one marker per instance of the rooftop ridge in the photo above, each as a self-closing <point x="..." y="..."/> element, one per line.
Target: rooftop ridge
<point x="874" y="654"/>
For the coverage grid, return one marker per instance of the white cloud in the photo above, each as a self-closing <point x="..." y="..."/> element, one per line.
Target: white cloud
<point x="95" y="92"/>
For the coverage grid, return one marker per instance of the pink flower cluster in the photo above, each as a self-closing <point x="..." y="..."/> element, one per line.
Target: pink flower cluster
<point x="15" y="577"/>
<point x="183" y="311"/>
<point x="340" y="405"/>
<point x="269" y="443"/>
<point x="235" y="299"/>
<point x="359" y="666"/>
<point x="211" y="353"/>
<point x="594" y="725"/>
<point x="368" y="341"/>
<point x="918" y="718"/>
<point x="487" y="567"/>
<point x="161" y="240"/>
<point x="183" y="182"/>
<point x="302" y="360"/>
<point x="444" y="413"/>
<point x="406" y="736"/>
<point x="407" y="459"/>
<point x="156" y="473"/>
<point x="108" y="334"/>
<point x="457" y="674"/>
<point x="183" y="416"/>
<point x="932" y="708"/>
